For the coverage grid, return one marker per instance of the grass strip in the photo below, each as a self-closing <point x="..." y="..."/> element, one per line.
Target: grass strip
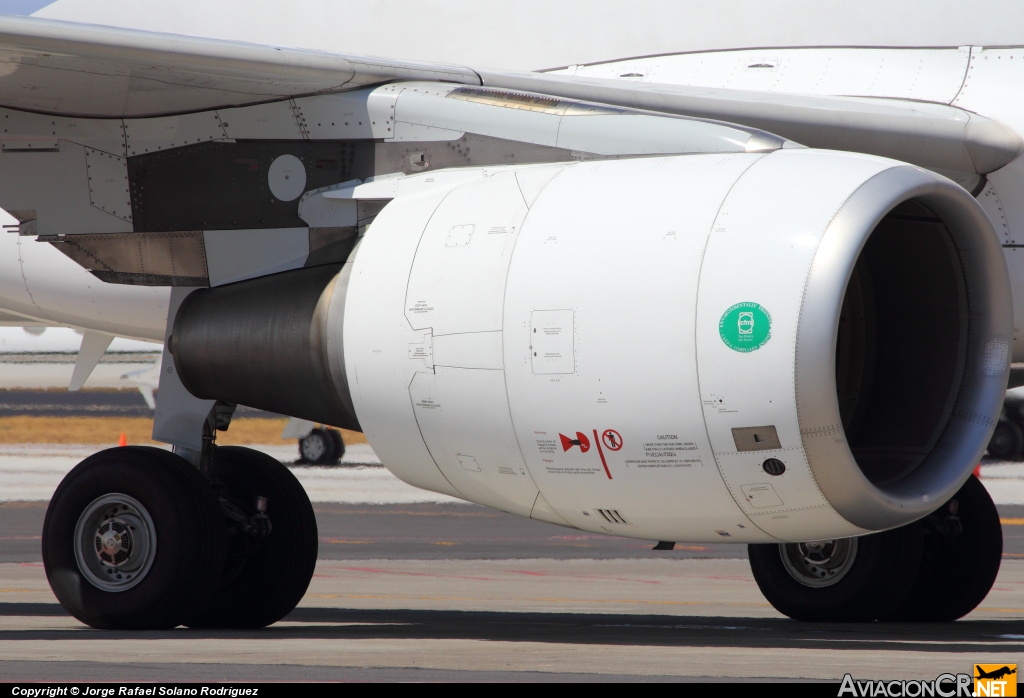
<point x="137" y="430"/>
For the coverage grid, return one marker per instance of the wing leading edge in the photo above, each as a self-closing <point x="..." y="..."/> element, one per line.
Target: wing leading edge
<point x="92" y="71"/>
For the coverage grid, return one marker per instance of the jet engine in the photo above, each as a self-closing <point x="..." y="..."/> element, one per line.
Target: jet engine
<point x="741" y="348"/>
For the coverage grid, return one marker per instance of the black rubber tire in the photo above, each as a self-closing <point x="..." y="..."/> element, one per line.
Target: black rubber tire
<point x="317" y="447"/>
<point x="1013" y="409"/>
<point x="274" y="576"/>
<point x="955" y="578"/>
<point x="880" y="577"/>
<point x="339" y="445"/>
<point x="1007" y="441"/>
<point x="190" y="539"/>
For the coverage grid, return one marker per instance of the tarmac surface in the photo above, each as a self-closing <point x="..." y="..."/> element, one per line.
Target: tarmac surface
<point x="439" y="591"/>
<point x="414" y="586"/>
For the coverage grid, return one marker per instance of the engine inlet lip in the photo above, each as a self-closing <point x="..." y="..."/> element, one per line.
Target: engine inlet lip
<point x="983" y="381"/>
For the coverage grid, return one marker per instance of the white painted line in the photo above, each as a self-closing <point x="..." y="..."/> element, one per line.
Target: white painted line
<point x="31" y="472"/>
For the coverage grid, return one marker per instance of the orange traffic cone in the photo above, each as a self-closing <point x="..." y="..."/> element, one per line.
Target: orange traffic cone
<point x="123" y="441"/>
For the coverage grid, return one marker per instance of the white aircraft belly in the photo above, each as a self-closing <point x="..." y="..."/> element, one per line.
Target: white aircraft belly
<point x="39" y="282"/>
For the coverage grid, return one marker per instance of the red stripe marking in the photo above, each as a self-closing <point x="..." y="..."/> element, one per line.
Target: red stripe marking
<point x="600" y="451"/>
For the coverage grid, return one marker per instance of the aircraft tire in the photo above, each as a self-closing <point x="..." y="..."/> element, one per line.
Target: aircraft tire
<point x="1013" y="409"/>
<point x="845" y="580"/>
<point x="1007" y="441"/>
<point x="959" y="570"/>
<point x="160" y="528"/>
<point x="276" y="571"/>
<point x="339" y="445"/>
<point x="317" y="447"/>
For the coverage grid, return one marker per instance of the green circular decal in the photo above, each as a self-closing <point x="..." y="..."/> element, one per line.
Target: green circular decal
<point x="745" y="327"/>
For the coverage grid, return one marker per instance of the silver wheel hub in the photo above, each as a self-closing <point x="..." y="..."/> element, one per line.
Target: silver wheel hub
<point x="115" y="542"/>
<point x="819" y="563"/>
<point x="313" y="447"/>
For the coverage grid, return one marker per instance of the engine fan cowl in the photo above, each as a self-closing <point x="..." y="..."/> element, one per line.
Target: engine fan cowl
<point x="746" y="347"/>
<point x="692" y="310"/>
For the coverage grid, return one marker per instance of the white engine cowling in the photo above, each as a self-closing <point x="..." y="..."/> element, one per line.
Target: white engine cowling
<point x="743" y="347"/>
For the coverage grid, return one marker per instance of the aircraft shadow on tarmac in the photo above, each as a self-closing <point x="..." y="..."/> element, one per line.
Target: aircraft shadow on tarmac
<point x="577" y="628"/>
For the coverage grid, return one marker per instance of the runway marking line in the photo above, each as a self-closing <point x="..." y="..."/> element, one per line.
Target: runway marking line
<point x="1012" y="522"/>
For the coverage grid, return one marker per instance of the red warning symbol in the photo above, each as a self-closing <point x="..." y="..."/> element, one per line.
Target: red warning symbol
<point x="612" y="440"/>
<point x="581" y="440"/>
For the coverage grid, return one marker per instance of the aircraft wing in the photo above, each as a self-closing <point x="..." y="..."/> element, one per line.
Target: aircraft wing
<point x="86" y="70"/>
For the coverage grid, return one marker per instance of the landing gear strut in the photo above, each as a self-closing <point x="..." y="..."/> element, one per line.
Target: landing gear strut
<point x="936" y="569"/>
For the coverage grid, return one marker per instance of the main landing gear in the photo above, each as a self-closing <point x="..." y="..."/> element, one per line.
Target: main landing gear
<point x="936" y="569"/>
<point x="321" y="446"/>
<point x="139" y="538"/>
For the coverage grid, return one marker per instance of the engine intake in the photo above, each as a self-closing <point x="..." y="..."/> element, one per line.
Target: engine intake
<point x="922" y="347"/>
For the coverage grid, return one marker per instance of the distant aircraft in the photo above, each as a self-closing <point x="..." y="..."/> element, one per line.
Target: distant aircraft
<point x="770" y="247"/>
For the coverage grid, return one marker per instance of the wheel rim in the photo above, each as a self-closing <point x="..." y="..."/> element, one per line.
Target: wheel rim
<point x="313" y="447"/>
<point x="819" y="563"/>
<point x="115" y="542"/>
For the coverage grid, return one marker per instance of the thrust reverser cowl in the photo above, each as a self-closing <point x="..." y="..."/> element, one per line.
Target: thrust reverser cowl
<point x="694" y="318"/>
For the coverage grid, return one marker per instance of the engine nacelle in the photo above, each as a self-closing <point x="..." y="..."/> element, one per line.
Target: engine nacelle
<point x="742" y="347"/>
